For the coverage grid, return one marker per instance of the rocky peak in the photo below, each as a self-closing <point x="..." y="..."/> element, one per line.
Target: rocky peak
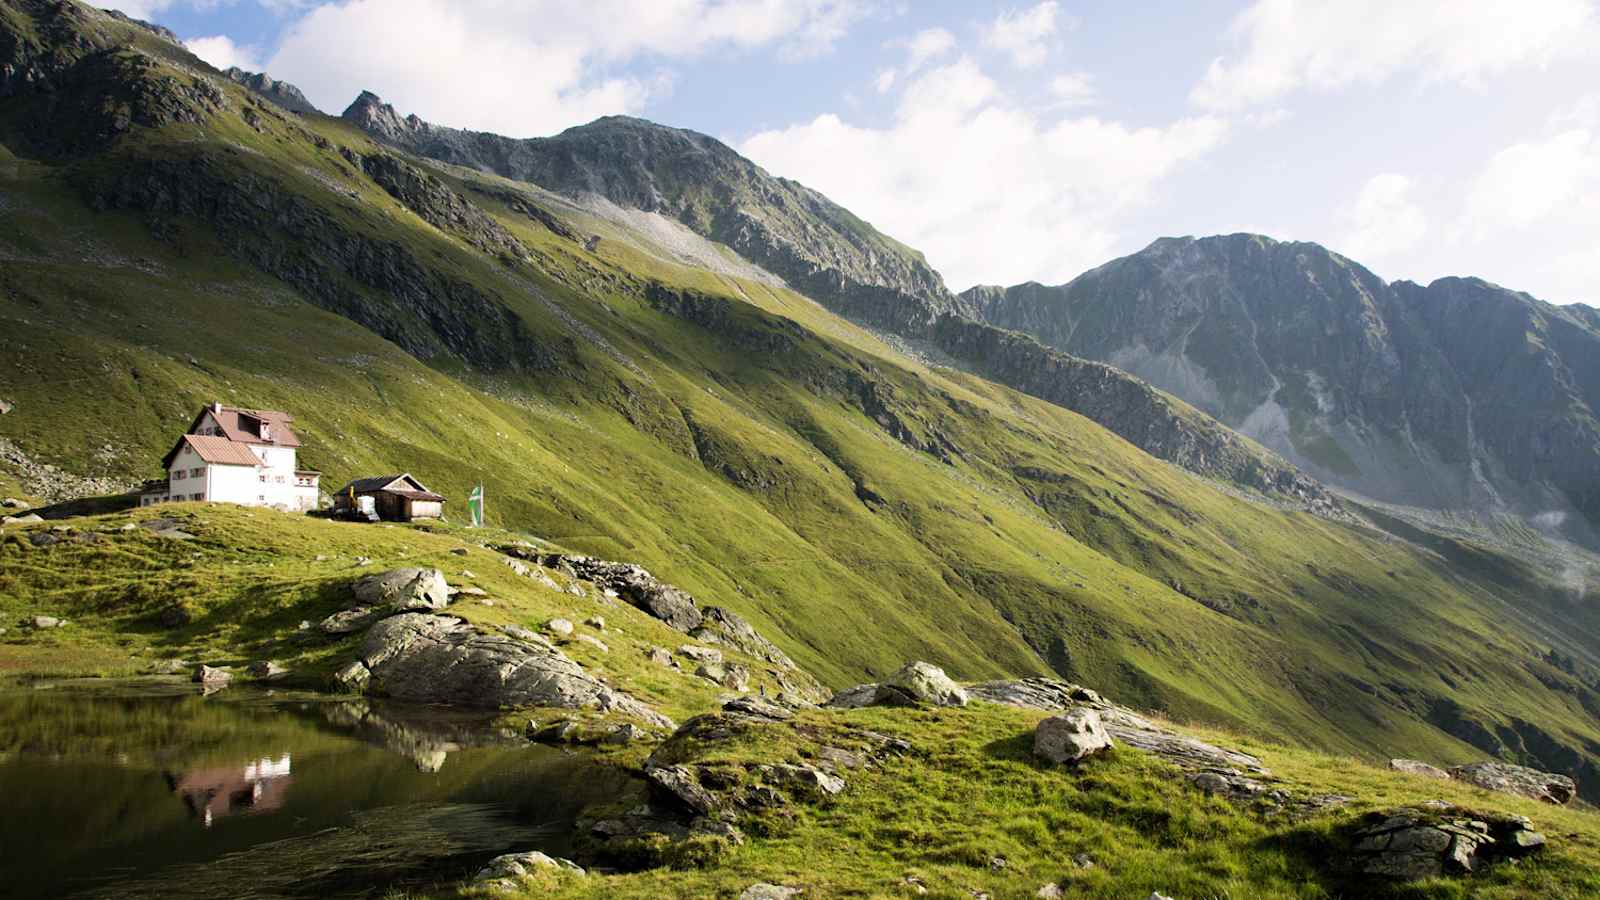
<point x="282" y="93"/>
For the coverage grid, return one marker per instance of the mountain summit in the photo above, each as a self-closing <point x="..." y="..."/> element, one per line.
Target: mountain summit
<point x="1458" y="395"/>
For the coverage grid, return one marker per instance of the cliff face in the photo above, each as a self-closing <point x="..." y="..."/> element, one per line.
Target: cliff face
<point x="282" y="93"/>
<point x="1456" y="395"/>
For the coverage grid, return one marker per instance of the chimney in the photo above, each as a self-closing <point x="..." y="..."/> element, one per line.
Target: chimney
<point x="216" y="407"/>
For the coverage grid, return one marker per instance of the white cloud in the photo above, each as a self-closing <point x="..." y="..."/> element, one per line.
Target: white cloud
<point x="1073" y="89"/>
<point x="1383" y="221"/>
<point x="1550" y="180"/>
<point x="1023" y="33"/>
<point x="926" y="46"/>
<point x="885" y="80"/>
<point x="524" y="67"/>
<point x="985" y="186"/>
<point x="1294" y="44"/>
<point x="221" y="52"/>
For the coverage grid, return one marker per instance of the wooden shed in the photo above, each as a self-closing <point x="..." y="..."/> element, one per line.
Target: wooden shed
<point x="399" y="498"/>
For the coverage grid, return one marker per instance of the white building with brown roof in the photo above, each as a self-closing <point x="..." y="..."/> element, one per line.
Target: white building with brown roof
<point x="232" y="455"/>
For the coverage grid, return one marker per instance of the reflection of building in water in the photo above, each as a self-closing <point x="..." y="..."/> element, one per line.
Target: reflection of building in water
<point x="254" y="787"/>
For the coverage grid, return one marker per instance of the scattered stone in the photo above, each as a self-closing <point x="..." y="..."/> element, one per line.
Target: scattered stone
<point x="362" y="561"/>
<point x="1417" y="767"/>
<point x="470" y="591"/>
<point x="42" y="623"/>
<point x="701" y="654"/>
<point x="1083" y="861"/>
<point x="1157" y="895"/>
<point x="661" y="656"/>
<point x="1519" y="780"/>
<point x="210" y="677"/>
<point x="765" y="891"/>
<point x="170" y="667"/>
<point x="516" y="866"/>
<point x="915" y="684"/>
<point x="13" y="503"/>
<point x="517" y="567"/>
<point x="594" y="642"/>
<point x="678" y="785"/>
<point x="322" y="557"/>
<point x="404" y="590"/>
<point x="761" y="709"/>
<point x="917" y="885"/>
<point x="998" y="863"/>
<point x="1071" y="737"/>
<point x="561" y="627"/>
<point x="625" y="733"/>
<point x="1050" y="891"/>
<point x="485" y="602"/>
<point x="353" y="676"/>
<point x="598" y="623"/>
<point x="43" y="539"/>
<point x="523" y="633"/>
<point x="467" y="573"/>
<point x="350" y="621"/>
<point x="266" y="670"/>
<point x="459" y="551"/>
<point x="29" y="519"/>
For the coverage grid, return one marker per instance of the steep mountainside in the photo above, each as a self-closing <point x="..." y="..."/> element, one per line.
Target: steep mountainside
<point x="282" y="93"/>
<point x="170" y="238"/>
<point x="824" y="252"/>
<point x="1456" y="395"/>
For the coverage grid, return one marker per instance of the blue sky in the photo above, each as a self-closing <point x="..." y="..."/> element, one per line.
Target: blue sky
<point x="1033" y="140"/>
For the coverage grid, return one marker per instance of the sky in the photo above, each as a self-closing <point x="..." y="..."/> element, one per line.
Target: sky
<point x="1031" y="141"/>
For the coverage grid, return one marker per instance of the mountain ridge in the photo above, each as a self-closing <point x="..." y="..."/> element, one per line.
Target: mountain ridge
<point x="1393" y="390"/>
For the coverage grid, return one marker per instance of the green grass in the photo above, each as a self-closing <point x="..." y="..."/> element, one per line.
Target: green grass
<point x="972" y="792"/>
<point x="859" y="508"/>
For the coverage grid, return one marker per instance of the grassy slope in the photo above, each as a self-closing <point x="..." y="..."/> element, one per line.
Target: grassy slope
<point x="1046" y="542"/>
<point x="974" y="792"/>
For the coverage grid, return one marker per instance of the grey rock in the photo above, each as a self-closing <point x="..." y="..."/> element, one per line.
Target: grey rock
<point x="42" y="622"/>
<point x="701" y="654"/>
<point x="350" y="621"/>
<point x="559" y="627"/>
<point x="1520" y="780"/>
<point x="1051" y="891"/>
<point x="43" y="539"/>
<point x="598" y="623"/>
<point x="856" y="697"/>
<point x="625" y="733"/>
<point x="211" y="677"/>
<point x="265" y="669"/>
<point x="522" y="865"/>
<point x="29" y="519"/>
<point x="404" y="590"/>
<point x="926" y="683"/>
<point x="1417" y="767"/>
<point x="1414" y="843"/>
<point x="175" y="616"/>
<point x="661" y="656"/>
<point x="439" y="659"/>
<point x="1071" y="737"/>
<point x="352" y="676"/>
<point x="680" y="785"/>
<point x="752" y="706"/>
<point x="594" y="642"/>
<point x="13" y="503"/>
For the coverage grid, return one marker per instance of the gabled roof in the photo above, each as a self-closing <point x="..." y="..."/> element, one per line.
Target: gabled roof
<point x="402" y="484"/>
<point x="244" y="425"/>
<point x="213" y="449"/>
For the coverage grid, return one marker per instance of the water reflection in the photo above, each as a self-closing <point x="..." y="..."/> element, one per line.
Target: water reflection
<point x="105" y="792"/>
<point x="254" y="787"/>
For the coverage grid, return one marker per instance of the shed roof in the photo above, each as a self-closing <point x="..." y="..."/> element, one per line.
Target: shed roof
<point x="402" y="484"/>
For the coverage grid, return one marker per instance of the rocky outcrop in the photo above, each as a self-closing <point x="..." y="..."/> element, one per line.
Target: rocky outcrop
<point x="1415" y="843"/>
<point x="506" y="871"/>
<point x="440" y="659"/>
<point x="1521" y="780"/>
<point x="404" y="590"/>
<point x="281" y="93"/>
<point x="440" y="206"/>
<point x="914" y="684"/>
<point x="1071" y="737"/>
<point x="677" y="608"/>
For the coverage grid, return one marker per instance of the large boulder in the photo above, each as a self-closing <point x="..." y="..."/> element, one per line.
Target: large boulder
<point x="522" y="865"/>
<point x="440" y="659"/>
<point x="638" y="587"/>
<point x="1521" y="780"/>
<point x="1418" y="767"/>
<point x="1071" y="737"/>
<point x="915" y="684"/>
<point x="404" y="590"/>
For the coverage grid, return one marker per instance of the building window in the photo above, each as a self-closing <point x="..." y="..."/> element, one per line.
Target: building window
<point x="261" y="498"/>
<point x="196" y="473"/>
<point x="197" y="496"/>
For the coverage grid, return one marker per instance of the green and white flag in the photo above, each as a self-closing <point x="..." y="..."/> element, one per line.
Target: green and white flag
<point x="475" y="506"/>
